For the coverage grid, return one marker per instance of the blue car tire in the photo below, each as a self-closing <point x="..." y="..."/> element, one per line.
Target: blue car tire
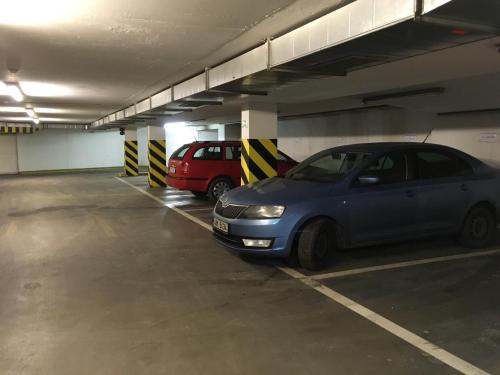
<point x="315" y="243"/>
<point x="478" y="229"/>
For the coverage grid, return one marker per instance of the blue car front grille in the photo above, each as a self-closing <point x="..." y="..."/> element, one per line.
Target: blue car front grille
<point x="230" y="212"/>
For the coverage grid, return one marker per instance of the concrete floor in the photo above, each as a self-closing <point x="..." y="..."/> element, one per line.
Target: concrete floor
<point x="96" y="278"/>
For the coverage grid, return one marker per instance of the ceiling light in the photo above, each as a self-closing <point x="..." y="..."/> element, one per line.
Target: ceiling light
<point x="43" y="89"/>
<point x="15" y="92"/>
<point x="36" y="120"/>
<point x="12" y="109"/>
<point x="15" y="119"/>
<point x="52" y="110"/>
<point x="37" y="12"/>
<point x="59" y="119"/>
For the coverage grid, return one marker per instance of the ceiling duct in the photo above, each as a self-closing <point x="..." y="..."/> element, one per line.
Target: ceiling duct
<point x="362" y="34"/>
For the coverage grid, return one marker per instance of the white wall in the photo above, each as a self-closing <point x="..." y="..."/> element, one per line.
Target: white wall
<point x="208" y="135"/>
<point x="464" y="132"/>
<point x="142" y="143"/>
<point x="230" y="132"/>
<point x="302" y="137"/>
<point x="8" y="154"/>
<point x="177" y="135"/>
<point x="70" y="149"/>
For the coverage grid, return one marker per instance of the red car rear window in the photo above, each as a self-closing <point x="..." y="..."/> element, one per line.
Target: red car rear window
<point x="180" y="153"/>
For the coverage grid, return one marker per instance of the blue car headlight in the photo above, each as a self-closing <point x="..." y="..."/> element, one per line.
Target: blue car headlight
<point x="263" y="212"/>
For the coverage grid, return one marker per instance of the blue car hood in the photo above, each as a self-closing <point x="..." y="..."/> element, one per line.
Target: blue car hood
<point x="278" y="191"/>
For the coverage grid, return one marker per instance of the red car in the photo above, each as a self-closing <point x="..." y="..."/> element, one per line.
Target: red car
<point x="212" y="167"/>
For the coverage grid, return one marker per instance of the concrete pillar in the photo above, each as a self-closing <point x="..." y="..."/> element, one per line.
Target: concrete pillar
<point x="157" y="157"/>
<point x="259" y="133"/>
<point x="131" y="153"/>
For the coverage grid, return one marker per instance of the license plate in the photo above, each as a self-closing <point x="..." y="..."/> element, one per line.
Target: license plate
<point x="220" y="225"/>
<point x="172" y="170"/>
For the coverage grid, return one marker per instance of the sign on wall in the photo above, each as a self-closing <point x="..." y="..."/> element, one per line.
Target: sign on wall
<point x="488" y="137"/>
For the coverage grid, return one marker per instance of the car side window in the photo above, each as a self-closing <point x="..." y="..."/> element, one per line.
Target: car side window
<point x="208" y="153"/>
<point x="233" y="152"/>
<point x="436" y="164"/>
<point x="390" y="168"/>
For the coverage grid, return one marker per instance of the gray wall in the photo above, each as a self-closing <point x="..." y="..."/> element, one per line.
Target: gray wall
<point x="69" y="149"/>
<point x="8" y="154"/>
<point x="208" y="135"/>
<point x="302" y="137"/>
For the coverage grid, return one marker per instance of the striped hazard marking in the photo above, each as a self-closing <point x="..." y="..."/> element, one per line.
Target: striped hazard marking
<point x="258" y="160"/>
<point x="17" y="129"/>
<point x="131" y="158"/>
<point x="157" y="163"/>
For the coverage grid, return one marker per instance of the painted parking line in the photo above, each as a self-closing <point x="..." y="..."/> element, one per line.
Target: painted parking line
<point x="389" y="326"/>
<point x="172" y="207"/>
<point x="198" y="209"/>
<point x="410" y="263"/>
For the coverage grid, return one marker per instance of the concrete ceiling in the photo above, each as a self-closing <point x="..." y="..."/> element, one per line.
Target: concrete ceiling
<point x="79" y="60"/>
<point x="470" y="75"/>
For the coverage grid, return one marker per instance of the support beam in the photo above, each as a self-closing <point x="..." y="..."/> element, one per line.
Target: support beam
<point x="238" y="91"/>
<point x="157" y="157"/>
<point x="131" y="153"/>
<point x="259" y="133"/>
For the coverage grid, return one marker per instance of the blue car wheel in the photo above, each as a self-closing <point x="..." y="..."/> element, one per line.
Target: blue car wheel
<point x="479" y="228"/>
<point x="316" y="241"/>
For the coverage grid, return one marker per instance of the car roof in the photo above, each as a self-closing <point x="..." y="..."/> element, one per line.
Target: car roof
<point x="213" y="142"/>
<point x="383" y="147"/>
<point x="390" y="146"/>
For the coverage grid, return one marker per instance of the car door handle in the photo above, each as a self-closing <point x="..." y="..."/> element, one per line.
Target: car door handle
<point x="464" y="187"/>
<point x="411" y="193"/>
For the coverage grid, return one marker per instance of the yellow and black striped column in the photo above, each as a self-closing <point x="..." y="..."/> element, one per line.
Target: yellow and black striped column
<point x="157" y="163"/>
<point x="16" y="129"/>
<point x="131" y="158"/>
<point x="258" y="160"/>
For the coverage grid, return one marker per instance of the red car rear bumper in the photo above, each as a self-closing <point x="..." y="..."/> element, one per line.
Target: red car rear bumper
<point x="188" y="183"/>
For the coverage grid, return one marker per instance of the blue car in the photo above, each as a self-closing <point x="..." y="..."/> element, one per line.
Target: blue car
<point x="361" y="195"/>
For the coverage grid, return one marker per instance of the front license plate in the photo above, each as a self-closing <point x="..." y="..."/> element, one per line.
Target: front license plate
<point x="220" y="225"/>
<point x="172" y="170"/>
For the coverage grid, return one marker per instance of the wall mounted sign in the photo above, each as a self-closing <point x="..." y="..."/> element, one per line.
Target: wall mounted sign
<point x="489" y="137"/>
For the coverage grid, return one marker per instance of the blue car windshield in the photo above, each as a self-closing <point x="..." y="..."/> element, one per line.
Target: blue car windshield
<point x="327" y="167"/>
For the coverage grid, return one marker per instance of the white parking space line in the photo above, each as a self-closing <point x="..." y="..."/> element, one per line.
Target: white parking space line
<point x="172" y="207"/>
<point x="410" y="263"/>
<point x="389" y="326"/>
<point x="198" y="209"/>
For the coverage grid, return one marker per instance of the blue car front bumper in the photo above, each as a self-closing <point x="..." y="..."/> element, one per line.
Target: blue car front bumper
<point x="276" y="230"/>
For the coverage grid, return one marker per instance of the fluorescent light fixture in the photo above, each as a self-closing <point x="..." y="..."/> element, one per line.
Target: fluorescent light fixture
<point x="12" y="109"/>
<point x="37" y="12"/>
<point x="52" y="110"/>
<point x="62" y="119"/>
<point x="15" y="119"/>
<point x="36" y="120"/>
<point x="44" y="89"/>
<point x="15" y="92"/>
